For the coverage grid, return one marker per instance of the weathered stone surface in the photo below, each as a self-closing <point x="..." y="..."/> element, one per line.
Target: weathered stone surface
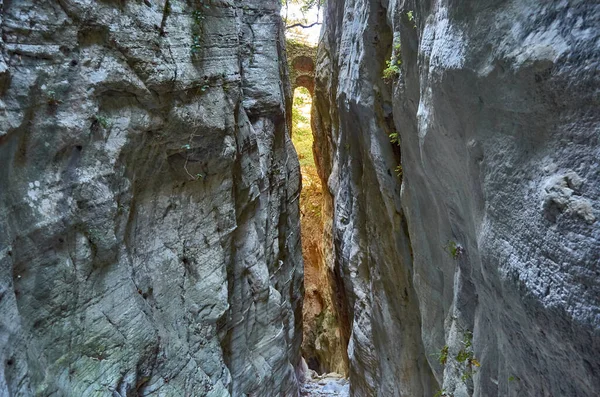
<point x="371" y="256"/>
<point x="149" y="229"/>
<point x="301" y="64"/>
<point x="494" y="228"/>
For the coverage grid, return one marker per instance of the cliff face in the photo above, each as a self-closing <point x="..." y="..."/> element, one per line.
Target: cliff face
<point x="149" y="229"/>
<point x="474" y="267"/>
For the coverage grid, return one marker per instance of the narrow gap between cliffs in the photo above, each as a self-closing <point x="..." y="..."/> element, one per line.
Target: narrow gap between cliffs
<point x="322" y="347"/>
<point x="311" y="200"/>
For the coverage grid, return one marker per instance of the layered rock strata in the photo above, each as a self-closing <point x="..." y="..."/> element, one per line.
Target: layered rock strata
<point x="149" y="227"/>
<point x="465" y="194"/>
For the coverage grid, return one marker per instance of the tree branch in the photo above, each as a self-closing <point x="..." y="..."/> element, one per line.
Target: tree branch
<point x="302" y="25"/>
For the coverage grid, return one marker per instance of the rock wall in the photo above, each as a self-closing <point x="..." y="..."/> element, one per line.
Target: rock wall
<point x="467" y="256"/>
<point x="149" y="228"/>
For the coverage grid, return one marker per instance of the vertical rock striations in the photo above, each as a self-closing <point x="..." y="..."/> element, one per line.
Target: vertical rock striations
<point x="149" y="229"/>
<point x="481" y="275"/>
<point x="371" y="257"/>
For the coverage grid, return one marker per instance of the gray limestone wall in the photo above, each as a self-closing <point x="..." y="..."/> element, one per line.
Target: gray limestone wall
<point x="149" y="228"/>
<point x="465" y="194"/>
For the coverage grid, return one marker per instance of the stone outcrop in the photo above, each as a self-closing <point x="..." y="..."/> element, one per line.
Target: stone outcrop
<point x="467" y="257"/>
<point x="149" y="228"/>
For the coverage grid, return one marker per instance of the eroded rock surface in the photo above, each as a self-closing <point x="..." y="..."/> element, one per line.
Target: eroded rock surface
<point x="149" y="229"/>
<point x="473" y="269"/>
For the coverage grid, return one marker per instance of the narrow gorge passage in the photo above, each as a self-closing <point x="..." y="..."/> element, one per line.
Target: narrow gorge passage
<point x="311" y="202"/>
<point x="321" y="344"/>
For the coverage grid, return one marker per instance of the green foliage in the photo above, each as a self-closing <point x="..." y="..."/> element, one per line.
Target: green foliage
<point x="392" y="69"/>
<point x="298" y="118"/>
<point x="198" y="19"/>
<point x="196" y="44"/>
<point x="466" y="356"/>
<point x="301" y="97"/>
<point x="394" y="138"/>
<point x="102" y="121"/>
<point x="52" y="98"/>
<point x="513" y="378"/>
<point x="468" y="339"/>
<point x="440" y="393"/>
<point x="466" y="375"/>
<point x="455" y="250"/>
<point x="399" y="172"/>
<point x="301" y="132"/>
<point x="443" y="356"/>
<point x="463" y="356"/>
<point x="411" y="18"/>
<point x="305" y="5"/>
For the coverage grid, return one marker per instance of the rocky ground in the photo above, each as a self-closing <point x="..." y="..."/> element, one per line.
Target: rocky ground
<point x="331" y="384"/>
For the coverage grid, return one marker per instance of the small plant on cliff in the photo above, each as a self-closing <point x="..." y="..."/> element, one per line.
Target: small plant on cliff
<point x="392" y="69"/>
<point x="466" y="356"/>
<point x="442" y="393"/>
<point x="394" y="138"/>
<point x="443" y="356"/>
<point x="198" y="18"/>
<point x="187" y="147"/>
<point x="399" y="172"/>
<point x="52" y="99"/>
<point x="411" y="18"/>
<point x="454" y="249"/>
<point x="102" y="121"/>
